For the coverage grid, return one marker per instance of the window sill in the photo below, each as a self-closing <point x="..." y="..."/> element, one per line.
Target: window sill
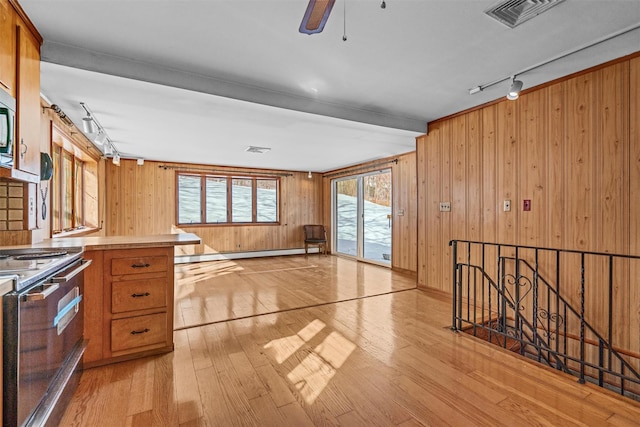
<point x="76" y="233"/>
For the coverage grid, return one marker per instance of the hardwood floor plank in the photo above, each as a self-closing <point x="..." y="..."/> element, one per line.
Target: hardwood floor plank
<point x="266" y="411"/>
<point x="294" y="415"/>
<point x="250" y="382"/>
<point x="187" y="392"/>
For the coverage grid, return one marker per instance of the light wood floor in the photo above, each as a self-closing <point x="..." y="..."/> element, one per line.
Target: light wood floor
<point x="215" y="291"/>
<point x="386" y="360"/>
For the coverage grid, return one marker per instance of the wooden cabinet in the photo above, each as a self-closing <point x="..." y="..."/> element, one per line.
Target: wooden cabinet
<point x="20" y="77"/>
<point x="128" y="304"/>
<point x="27" y="147"/>
<point x="7" y="48"/>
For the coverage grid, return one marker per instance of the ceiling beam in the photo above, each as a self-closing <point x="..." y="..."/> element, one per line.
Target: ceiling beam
<point x="71" y="56"/>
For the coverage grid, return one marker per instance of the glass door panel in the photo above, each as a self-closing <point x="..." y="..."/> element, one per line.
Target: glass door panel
<point x="377" y="217"/>
<point x="346" y="216"/>
<point x="362" y="216"/>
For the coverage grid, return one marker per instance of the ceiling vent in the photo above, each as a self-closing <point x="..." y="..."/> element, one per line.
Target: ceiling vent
<point x="514" y="12"/>
<point x="259" y="150"/>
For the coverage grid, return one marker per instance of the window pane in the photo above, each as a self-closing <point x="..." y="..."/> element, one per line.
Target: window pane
<point x="241" y="200"/>
<point x="216" y="199"/>
<point x="79" y="193"/>
<point x="189" y="197"/>
<point x="67" y="185"/>
<point x="267" y="200"/>
<point x="55" y="191"/>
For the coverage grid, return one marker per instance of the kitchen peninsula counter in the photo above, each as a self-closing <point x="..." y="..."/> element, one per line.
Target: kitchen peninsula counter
<point x="95" y="243"/>
<point x="128" y="294"/>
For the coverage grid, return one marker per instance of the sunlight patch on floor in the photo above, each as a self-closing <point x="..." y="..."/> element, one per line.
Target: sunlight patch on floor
<point x="283" y="348"/>
<point x="199" y="271"/>
<point x="315" y="371"/>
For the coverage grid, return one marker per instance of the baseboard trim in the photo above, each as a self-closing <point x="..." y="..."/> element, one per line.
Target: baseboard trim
<point x="185" y="259"/>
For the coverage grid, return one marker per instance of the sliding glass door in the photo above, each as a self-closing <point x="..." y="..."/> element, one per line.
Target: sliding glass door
<point x="362" y="216"/>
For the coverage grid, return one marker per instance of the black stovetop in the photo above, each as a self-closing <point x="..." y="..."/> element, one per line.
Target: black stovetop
<point x="32" y="265"/>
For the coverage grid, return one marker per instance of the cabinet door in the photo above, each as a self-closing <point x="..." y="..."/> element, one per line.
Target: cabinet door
<point x="7" y="48"/>
<point x="27" y="148"/>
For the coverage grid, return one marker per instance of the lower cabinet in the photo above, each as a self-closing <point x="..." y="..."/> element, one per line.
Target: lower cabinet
<point x="128" y="304"/>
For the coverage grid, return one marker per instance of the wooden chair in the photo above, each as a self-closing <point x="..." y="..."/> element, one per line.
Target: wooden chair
<point x="315" y="235"/>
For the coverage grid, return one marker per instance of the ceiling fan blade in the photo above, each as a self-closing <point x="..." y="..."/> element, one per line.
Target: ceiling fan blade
<point x="316" y="16"/>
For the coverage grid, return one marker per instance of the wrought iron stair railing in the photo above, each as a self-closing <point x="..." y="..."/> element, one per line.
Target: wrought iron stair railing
<point x="501" y="291"/>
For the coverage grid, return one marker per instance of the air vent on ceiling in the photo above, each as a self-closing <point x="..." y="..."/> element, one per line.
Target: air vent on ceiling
<point x="259" y="150"/>
<point x="514" y="12"/>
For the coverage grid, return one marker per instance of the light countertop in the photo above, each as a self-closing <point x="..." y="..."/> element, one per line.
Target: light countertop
<point x="121" y="242"/>
<point x="6" y="284"/>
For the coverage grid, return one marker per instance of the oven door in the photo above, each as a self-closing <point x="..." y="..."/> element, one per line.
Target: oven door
<point x="50" y="324"/>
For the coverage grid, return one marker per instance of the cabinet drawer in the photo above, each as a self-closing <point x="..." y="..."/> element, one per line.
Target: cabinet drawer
<point x="138" y="295"/>
<point x="139" y="331"/>
<point x="139" y="265"/>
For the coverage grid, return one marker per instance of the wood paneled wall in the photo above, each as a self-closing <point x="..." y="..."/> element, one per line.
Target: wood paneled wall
<point x="404" y="255"/>
<point x="141" y="200"/>
<point x="572" y="147"/>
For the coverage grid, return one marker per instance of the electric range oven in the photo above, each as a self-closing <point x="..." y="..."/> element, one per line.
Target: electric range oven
<point x="43" y="333"/>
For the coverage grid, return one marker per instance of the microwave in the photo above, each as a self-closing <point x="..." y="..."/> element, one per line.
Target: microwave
<point x="7" y="128"/>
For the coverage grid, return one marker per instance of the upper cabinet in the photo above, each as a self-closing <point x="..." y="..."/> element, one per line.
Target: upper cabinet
<point x="27" y="147"/>
<point x="7" y="48"/>
<point x="20" y="77"/>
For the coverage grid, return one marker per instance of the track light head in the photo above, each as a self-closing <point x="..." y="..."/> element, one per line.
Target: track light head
<point x="514" y="90"/>
<point x="88" y="125"/>
<point x="101" y="138"/>
<point x="383" y="5"/>
<point x="116" y="160"/>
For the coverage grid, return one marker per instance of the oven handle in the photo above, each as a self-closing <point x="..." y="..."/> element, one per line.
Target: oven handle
<point x="72" y="304"/>
<point x="46" y="291"/>
<point x="61" y="279"/>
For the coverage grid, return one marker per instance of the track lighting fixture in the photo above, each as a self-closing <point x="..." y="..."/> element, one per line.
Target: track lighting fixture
<point x="116" y="160"/>
<point x="516" y="85"/>
<point x="88" y="125"/>
<point x="309" y="175"/>
<point x="383" y="5"/>
<point x="91" y="126"/>
<point x="101" y="138"/>
<point x="140" y="162"/>
<point x="514" y="90"/>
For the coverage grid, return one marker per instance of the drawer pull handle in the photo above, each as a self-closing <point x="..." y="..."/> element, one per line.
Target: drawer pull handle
<point x="146" y="294"/>
<point x="140" y="265"/>
<point x="144" y="331"/>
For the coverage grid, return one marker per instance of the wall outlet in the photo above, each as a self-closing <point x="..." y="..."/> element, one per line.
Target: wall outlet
<point x="507" y="206"/>
<point x="445" y="206"/>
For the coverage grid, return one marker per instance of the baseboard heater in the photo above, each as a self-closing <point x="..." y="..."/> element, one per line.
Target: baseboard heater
<point x="184" y="259"/>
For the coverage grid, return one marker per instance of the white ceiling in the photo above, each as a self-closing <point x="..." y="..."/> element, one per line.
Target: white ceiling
<point x="199" y="81"/>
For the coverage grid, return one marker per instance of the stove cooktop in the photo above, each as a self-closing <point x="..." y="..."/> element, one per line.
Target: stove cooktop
<point x="34" y="264"/>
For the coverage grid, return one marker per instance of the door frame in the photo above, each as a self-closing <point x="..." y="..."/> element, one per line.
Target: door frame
<point x="360" y="238"/>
